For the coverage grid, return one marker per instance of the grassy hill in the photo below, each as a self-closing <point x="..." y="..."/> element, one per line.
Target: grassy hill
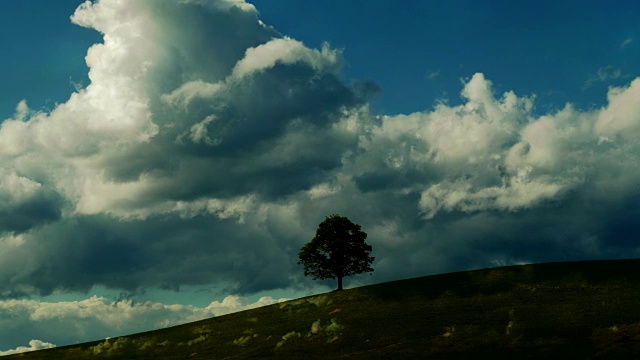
<point x="575" y="310"/>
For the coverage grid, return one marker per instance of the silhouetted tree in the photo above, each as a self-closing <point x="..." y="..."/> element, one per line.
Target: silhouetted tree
<point x="337" y="250"/>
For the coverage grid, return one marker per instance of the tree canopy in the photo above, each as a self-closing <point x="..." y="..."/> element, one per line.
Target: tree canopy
<point x="337" y="250"/>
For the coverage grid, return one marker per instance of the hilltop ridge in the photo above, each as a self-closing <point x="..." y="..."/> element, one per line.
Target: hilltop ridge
<point x="587" y="309"/>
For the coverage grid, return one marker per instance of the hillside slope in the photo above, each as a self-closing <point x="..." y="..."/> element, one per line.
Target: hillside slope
<point x="576" y="310"/>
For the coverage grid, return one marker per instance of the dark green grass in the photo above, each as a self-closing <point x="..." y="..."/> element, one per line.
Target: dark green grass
<point x="576" y="310"/>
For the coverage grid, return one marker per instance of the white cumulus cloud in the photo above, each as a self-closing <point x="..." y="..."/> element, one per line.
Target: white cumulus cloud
<point x="98" y="317"/>
<point x="33" y="346"/>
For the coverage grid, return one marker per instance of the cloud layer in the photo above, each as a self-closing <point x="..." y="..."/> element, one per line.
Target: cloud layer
<point x="98" y="318"/>
<point x="33" y="346"/>
<point x="208" y="147"/>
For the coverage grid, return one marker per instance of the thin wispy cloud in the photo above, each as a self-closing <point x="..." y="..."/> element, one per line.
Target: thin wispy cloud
<point x="604" y="74"/>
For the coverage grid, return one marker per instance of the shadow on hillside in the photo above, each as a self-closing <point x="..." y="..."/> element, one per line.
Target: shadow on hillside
<point x="497" y="280"/>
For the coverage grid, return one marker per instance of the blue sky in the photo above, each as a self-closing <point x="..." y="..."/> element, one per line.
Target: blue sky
<point x="419" y="50"/>
<point x="44" y="53"/>
<point x="182" y="152"/>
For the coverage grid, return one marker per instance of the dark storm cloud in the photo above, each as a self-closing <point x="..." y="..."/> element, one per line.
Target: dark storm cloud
<point x="162" y="252"/>
<point x="42" y="207"/>
<point x="268" y="134"/>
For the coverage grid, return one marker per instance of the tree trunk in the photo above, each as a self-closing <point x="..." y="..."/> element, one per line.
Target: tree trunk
<point x="339" y="283"/>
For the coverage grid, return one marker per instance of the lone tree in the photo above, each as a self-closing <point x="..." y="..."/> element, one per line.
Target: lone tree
<point x="337" y="250"/>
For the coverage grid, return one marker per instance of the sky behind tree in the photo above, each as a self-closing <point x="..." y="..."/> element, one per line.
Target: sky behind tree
<point x="165" y="161"/>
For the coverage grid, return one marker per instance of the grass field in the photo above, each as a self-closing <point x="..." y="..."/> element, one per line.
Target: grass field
<point x="576" y="310"/>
